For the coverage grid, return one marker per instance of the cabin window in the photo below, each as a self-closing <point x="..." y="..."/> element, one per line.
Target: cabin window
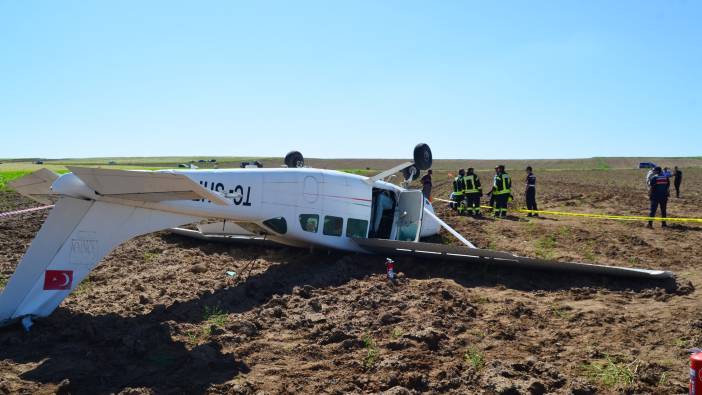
<point x="356" y="227"/>
<point x="333" y="225"/>
<point x="278" y="225"/>
<point x="309" y="222"/>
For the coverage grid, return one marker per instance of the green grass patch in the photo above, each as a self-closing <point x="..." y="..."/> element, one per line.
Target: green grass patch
<point x="7" y="176"/>
<point x="612" y="372"/>
<point x="360" y="172"/>
<point x="3" y="282"/>
<point x="561" y="311"/>
<point x="150" y="256"/>
<point x="85" y="286"/>
<point x="397" y="332"/>
<point x="214" y="315"/>
<point x="601" y="164"/>
<point x="372" y="352"/>
<point x="475" y="358"/>
<point x="545" y="247"/>
<point x="680" y="343"/>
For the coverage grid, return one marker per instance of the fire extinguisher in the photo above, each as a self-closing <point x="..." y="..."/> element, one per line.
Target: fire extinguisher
<point x="696" y="371"/>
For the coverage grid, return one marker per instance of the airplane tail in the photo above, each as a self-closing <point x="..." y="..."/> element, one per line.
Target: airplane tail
<point x="76" y="235"/>
<point x="36" y="185"/>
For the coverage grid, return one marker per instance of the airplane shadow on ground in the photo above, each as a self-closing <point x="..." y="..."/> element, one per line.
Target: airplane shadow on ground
<point x="97" y="354"/>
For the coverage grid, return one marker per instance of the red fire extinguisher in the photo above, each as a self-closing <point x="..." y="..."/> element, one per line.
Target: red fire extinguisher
<point x="696" y="372"/>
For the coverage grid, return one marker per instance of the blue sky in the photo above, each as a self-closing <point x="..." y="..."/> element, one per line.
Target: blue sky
<point x="490" y="79"/>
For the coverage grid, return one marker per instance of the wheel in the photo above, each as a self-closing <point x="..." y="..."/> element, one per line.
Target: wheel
<point x="407" y="173"/>
<point x="294" y="159"/>
<point x="422" y="156"/>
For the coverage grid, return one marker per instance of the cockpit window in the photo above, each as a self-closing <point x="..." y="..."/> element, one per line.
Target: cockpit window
<point x="309" y="222"/>
<point x="278" y="225"/>
<point x="333" y="225"/>
<point x="356" y="227"/>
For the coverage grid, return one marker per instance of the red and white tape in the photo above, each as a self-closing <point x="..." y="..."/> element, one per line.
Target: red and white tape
<point x="27" y="210"/>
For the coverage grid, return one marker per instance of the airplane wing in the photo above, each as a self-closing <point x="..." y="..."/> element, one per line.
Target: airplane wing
<point x="144" y="186"/>
<point x="441" y="251"/>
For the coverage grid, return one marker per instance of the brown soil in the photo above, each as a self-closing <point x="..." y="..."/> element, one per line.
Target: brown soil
<point x="160" y="315"/>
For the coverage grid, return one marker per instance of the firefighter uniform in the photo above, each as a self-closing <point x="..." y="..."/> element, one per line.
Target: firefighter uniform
<point x="659" y="190"/>
<point x="458" y="194"/>
<point x="473" y="192"/>
<point x="501" y="191"/>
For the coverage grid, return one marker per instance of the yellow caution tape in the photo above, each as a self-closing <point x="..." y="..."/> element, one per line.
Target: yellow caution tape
<point x="600" y="216"/>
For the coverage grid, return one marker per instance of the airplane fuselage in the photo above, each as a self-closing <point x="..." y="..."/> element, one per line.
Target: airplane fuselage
<point x="296" y="206"/>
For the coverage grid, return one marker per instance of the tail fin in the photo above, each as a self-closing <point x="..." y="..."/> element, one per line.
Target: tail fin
<point x="36" y="186"/>
<point x="74" y="238"/>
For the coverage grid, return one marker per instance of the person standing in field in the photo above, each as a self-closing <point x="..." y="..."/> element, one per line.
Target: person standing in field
<point x="501" y="191"/>
<point x="658" y="192"/>
<point x="530" y="192"/>
<point x="426" y="185"/>
<point x="677" y="174"/>
<point x="459" y="187"/>
<point x="473" y="192"/>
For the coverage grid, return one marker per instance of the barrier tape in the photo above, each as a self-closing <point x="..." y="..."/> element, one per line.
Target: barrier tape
<point x="599" y="216"/>
<point x="27" y="210"/>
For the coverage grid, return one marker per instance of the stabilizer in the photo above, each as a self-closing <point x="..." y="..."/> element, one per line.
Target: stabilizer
<point x="74" y="238"/>
<point x="36" y="185"/>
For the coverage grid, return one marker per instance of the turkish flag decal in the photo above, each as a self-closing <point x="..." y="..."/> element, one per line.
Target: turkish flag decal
<point x="58" y="279"/>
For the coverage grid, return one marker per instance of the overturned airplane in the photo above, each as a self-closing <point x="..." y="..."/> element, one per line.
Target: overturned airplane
<point x="98" y="209"/>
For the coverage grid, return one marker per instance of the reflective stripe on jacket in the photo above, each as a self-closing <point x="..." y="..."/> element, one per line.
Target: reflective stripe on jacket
<point x="459" y="185"/>
<point x="472" y="183"/>
<point x="501" y="184"/>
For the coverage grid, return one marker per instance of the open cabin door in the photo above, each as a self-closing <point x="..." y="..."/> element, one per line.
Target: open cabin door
<point x="410" y="210"/>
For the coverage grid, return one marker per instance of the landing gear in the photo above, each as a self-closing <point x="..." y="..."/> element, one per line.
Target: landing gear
<point x="422" y="156"/>
<point x="294" y="159"/>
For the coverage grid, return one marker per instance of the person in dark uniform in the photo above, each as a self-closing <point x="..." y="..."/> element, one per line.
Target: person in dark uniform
<point x="473" y="192"/>
<point x="677" y="174"/>
<point x="501" y="191"/>
<point x="530" y="192"/>
<point x="459" y="187"/>
<point x="426" y="185"/>
<point x="658" y="192"/>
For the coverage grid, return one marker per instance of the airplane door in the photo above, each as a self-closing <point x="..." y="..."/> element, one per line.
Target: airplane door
<point x="410" y="210"/>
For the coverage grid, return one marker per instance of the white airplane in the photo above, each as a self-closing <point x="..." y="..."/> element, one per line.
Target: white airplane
<point x="98" y="209"/>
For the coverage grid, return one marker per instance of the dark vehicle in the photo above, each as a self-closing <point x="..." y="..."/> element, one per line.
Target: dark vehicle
<point x="38" y="162"/>
<point x="213" y="160"/>
<point x="183" y="165"/>
<point x="249" y="164"/>
<point x="647" y="165"/>
<point x="201" y="161"/>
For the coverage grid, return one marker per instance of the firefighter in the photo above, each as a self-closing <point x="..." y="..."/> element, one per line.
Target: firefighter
<point x="501" y="191"/>
<point x="473" y="192"/>
<point x="658" y="192"/>
<point x="530" y="192"/>
<point x="458" y="191"/>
